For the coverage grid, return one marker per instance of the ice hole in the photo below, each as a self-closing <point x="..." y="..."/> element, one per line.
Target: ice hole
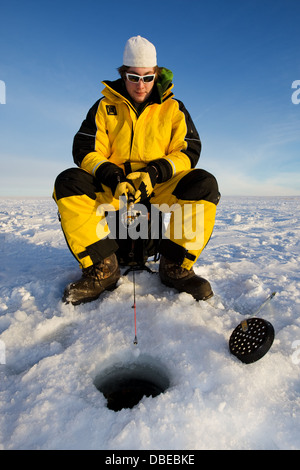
<point x="124" y="385"/>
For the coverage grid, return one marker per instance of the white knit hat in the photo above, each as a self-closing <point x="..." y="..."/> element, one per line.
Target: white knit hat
<point x="139" y="52"/>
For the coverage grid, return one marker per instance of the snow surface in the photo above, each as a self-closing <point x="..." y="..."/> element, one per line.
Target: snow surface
<point x="51" y="353"/>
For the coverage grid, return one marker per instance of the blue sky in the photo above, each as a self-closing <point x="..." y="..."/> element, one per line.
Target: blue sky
<point x="234" y="63"/>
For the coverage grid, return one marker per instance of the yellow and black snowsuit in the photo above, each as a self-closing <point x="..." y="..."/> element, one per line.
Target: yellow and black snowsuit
<point x="115" y="131"/>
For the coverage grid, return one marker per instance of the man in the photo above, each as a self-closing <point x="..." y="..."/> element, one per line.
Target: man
<point x="138" y="141"/>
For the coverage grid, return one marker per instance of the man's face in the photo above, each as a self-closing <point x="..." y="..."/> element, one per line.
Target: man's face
<point x="140" y="91"/>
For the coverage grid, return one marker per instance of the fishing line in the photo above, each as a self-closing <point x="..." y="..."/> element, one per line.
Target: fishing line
<point x="135" y="341"/>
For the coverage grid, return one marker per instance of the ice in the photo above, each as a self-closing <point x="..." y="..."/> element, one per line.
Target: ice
<point x="51" y="353"/>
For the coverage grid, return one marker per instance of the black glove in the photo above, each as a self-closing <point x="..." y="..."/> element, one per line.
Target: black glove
<point x="113" y="176"/>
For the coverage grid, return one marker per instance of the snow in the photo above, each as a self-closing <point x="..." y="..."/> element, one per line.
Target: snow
<point x="52" y="353"/>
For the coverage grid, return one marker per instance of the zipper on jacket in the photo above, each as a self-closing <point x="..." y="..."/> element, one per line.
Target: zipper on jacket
<point x="131" y="141"/>
<point x="138" y="114"/>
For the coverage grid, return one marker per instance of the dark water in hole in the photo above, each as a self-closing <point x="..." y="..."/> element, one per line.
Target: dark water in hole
<point x="129" y="393"/>
<point x="124" y="387"/>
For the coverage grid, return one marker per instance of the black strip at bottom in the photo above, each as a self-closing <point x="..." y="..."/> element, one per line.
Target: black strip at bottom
<point x="174" y="252"/>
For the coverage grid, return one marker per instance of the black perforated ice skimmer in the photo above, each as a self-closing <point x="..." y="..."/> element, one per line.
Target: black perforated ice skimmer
<point x="252" y="338"/>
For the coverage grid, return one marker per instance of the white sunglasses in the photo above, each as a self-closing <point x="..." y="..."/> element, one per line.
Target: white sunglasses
<point x="133" y="78"/>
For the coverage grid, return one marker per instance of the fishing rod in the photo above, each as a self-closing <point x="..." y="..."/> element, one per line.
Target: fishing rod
<point x="131" y="216"/>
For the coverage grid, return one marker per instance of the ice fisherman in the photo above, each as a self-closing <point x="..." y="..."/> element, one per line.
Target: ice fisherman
<point x="138" y="140"/>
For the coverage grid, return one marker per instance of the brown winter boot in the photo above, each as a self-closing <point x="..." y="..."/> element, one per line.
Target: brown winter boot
<point x="173" y="275"/>
<point x="95" y="280"/>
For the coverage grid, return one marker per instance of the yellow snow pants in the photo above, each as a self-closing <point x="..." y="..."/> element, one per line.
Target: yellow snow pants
<point x="190" y="197"/>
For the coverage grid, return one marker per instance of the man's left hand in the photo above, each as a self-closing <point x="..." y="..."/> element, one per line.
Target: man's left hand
<point x="144" y="181"/>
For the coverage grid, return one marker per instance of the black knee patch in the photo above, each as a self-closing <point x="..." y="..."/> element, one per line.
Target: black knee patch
<point x="76" y="182"/>
<point x="100" y="250"/>
<point x="198" y="185"/>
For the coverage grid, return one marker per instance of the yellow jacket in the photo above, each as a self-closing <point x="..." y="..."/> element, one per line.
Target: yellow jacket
<point x="114" y="130"/>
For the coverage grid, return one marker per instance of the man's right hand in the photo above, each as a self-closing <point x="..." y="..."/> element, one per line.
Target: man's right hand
<point x="113" y="176"/>
<point x="124" y="188"/>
